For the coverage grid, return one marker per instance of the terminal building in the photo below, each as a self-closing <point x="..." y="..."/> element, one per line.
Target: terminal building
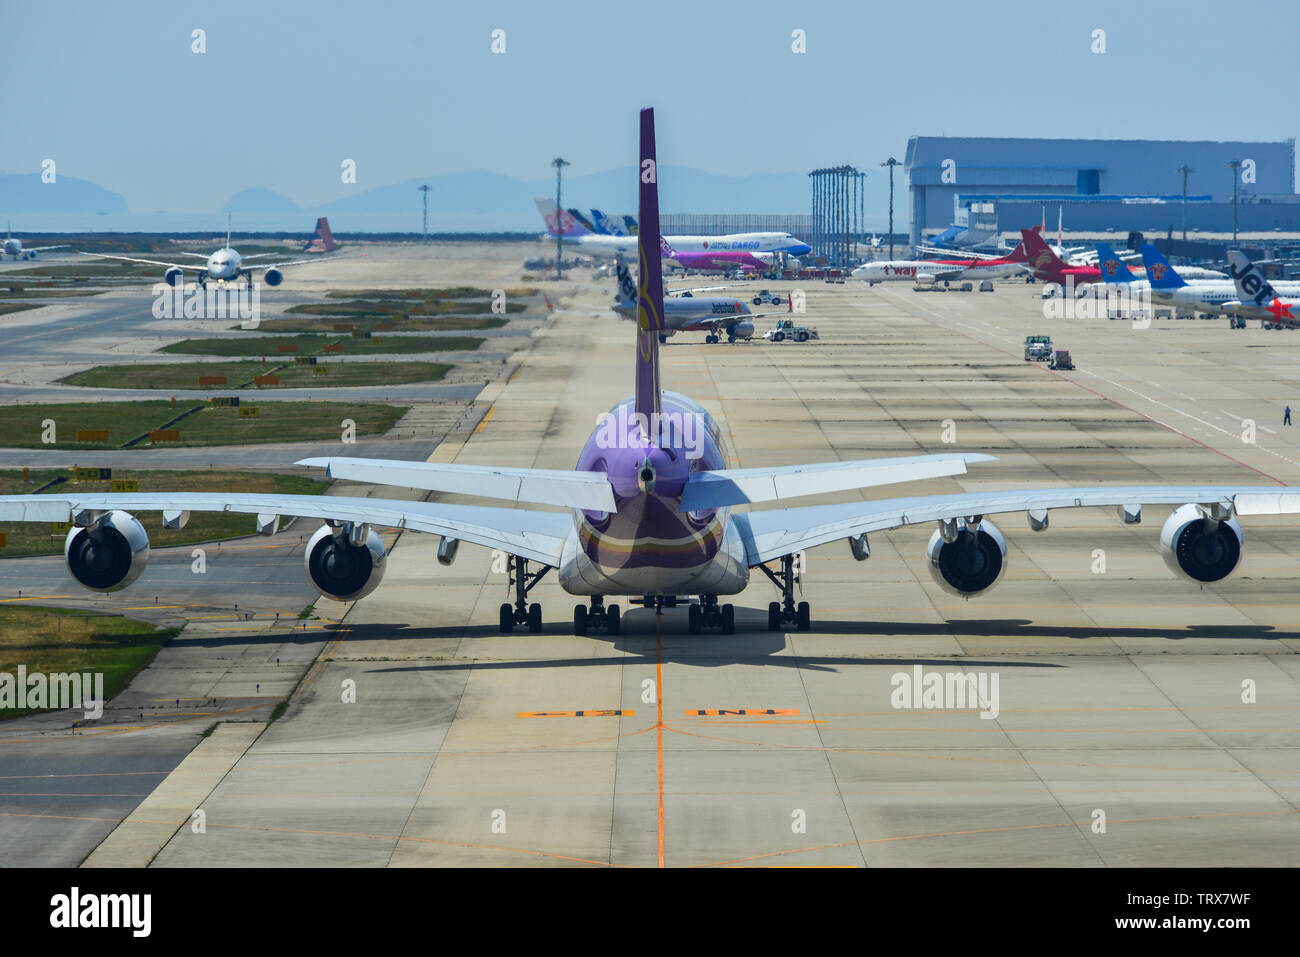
<point x="999" y="185"/>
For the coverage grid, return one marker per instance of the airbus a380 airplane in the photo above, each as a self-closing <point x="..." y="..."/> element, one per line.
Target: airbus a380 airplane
<point x="225" y="265"/>
<point x="650" y="507"/>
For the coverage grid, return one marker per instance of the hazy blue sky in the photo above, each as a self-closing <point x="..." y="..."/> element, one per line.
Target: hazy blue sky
<point x="287" y="90"/>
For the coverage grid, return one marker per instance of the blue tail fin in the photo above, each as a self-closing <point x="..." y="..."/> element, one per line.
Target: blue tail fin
<point x="1159" y="272"/>
<point x="650" y="288"/>
<point x="1113" y="269"/>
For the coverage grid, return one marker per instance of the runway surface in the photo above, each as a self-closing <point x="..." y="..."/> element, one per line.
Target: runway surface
<point x="1121" y="736"/>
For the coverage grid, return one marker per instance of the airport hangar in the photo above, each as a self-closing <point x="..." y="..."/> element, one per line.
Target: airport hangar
<point x="1001" y="185"/>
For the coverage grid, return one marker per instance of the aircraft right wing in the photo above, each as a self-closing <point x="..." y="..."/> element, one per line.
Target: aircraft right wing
<point x="41" y="249"/>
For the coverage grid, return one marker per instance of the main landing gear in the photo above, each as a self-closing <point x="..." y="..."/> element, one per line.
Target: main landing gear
<point x="522" y="613"/>
<point x="785" y="612"/>
<point x="709" y="614"/>
<point x="597" y="616"/>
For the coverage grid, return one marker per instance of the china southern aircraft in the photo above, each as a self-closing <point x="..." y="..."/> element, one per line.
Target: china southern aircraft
<point x="224" y="265"/>
<point x="651" y="510"/>
<point x="14" y="248"/>
<point x="595" y="244"/>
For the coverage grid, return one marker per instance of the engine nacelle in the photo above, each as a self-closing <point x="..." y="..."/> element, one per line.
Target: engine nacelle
<point x="109" y="555"/>
<point x="341" y="570"/>
<point x="1199" y="548"/>
<point x="174" y="275"/>
<point x="973" y="562"/>
<point x="274" y="277"/>
<point x="743" y="329"/>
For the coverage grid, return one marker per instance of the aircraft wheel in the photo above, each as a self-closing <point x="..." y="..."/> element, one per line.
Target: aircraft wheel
<point x="804" y="618"/>
<point x="613" y="622"/>
<point x="728" y="619"/>
<point x="507" y="619"/>
<point x="774" y="616"/>
<point x="534" y="618"/>
<point x="579" y="619"/>
<point x="694" y="620"/>
<point x="731" y="340"/>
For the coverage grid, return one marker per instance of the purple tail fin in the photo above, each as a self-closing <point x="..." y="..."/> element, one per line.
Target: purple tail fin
<point x="650" y="288"/>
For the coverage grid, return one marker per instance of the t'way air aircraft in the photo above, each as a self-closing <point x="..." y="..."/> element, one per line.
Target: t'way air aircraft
<point x="650" y="511"/>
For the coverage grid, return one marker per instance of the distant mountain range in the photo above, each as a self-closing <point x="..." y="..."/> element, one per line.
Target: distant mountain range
<point x="476" y="200"/>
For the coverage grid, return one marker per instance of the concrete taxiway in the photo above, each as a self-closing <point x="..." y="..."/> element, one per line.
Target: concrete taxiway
<point x="1140" y="719"/>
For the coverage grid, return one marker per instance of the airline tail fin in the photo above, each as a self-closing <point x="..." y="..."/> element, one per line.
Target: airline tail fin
<point x="607" y="224"/>
<point x="1016" y="255"/>
<point x="650" y="289"/>
<point x="1159" y="272"/>
<point x="1038" y="254"/>
<point x="1113" y="269"/>
<point x="559" y="221"/>
<point x="629" y="223"/>
<point x="586" y="223"/>
<point x="1249" y="279"/>
<point x="626" y="285"/>
<point x="323" y="239"/>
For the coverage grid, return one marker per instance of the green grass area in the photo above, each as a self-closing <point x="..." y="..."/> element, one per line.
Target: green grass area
<point x="451" y="292"/>
<point x="185" y="375"/>
<point x="370" y="324"/>
<point x="22" y="425"/>
<point x="8" y="307"/>
<point x="93" y="269"/>
<point x="66" y="640"/>
<point x="314" y="345"/>
<point x="43" y="291"/>
<point x="400" y="311"/>
<point x="38" y="538"/>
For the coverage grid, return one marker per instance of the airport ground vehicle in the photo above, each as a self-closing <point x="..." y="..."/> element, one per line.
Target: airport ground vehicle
<point x="766" y="295"/>
<point x="986" y="285"/>
<point x="1060" y="360"/>
<point x="1236" y="322"/>
<point x="787" y="331"/>
<point x="1038" y="348"/>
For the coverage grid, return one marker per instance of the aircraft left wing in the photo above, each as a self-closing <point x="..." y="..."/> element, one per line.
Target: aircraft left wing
<point x="771" y="534"/>
<point x="41" y="249"/>
<point x="147" y="262"/>
<point x="538" y="536"/>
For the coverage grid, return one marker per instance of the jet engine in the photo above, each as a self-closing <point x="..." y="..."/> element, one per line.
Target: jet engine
<point x="742" y="329"/>
<point x="967" y="556"/>
<point x="1201" y="544"/>
<point x="109" y="554"/>
<point x="174" y="275"/>
<point x="345" y="562"/>
<point x="274" y="277"/>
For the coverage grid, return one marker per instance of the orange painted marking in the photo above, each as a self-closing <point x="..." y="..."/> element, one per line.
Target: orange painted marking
<point x="609" y="713"/>
<point x="739" y="712"/>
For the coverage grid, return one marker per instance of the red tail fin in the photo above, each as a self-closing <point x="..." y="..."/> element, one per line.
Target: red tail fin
<point x="324" y="241"/>
<point x="1040" y="257"/>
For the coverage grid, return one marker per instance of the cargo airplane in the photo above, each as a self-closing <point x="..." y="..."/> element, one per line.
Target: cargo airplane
<point x="594" y="244"/>
<point x="653" y="508"/>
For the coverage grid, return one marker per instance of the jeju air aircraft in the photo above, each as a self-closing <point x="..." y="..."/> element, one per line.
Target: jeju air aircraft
<point x="652" y="509"/>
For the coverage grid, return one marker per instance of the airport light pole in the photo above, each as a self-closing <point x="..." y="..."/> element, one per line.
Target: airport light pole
<point x="1234" y="165"/>
<point x="1185" y="169"/>
<point x="891" y="163"/>
<point x="559" y="165"/>
<point x="425" y="220"/>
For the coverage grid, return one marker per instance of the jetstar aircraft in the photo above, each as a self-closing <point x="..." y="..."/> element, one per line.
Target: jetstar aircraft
<point x="717" y="316"/>
<point x="1257" y="296"/>
<point x="651" y="510"/>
